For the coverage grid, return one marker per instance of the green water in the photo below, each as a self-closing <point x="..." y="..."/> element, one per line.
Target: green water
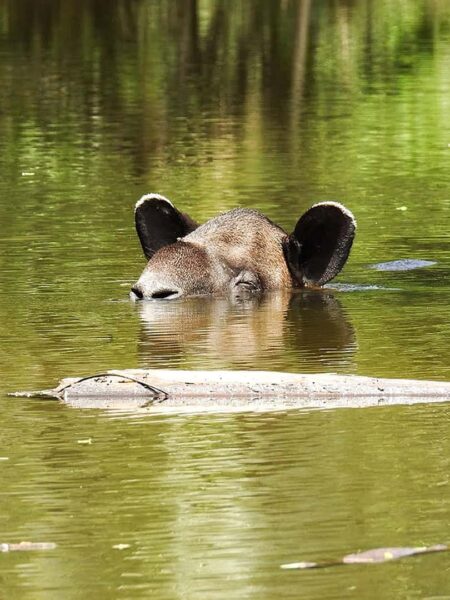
<point x="267" y="104"/>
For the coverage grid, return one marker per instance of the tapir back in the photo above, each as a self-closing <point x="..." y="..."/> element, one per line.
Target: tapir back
<point x="246" y="239"/>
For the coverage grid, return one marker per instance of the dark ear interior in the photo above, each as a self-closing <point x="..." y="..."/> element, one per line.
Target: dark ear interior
<point x="320" y="244"/>
<point x="159" y="223"/>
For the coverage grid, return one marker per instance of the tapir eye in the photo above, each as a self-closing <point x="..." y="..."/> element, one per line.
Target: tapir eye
<point x="247" y="280"/>
<point x="248" y="285"/>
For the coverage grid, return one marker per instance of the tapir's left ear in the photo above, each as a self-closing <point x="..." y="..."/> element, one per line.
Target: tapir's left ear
<point x="159" y="223"/>
<point x="320" y="244"/>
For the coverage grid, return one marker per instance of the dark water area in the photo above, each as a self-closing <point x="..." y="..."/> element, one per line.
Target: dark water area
<point x="273" y="105"/>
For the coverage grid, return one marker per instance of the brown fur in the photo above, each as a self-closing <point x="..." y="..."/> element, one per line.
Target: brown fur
<point x="246" y="240"/>
<point x="240" y="251"/>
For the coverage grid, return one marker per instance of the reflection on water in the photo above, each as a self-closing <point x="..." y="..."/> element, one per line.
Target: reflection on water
<point x="216" y="104"/>
<point x="257" y="332"/>
<point x="210" y="507"/>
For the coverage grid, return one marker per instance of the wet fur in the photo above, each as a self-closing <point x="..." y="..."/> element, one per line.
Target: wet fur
<point x="241" y="251"/>
<point x="246" y="240"/>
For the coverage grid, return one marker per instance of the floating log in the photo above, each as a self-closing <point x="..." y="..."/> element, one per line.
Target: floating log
<point x="166" y="390"/>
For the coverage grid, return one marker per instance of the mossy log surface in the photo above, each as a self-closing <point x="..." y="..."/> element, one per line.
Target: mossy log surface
<point x="164" y="391"/>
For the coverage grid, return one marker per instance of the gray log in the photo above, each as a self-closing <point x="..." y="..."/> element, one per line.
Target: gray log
<point x="165" y="390"/>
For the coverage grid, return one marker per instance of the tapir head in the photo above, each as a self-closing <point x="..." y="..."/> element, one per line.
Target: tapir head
<point x="238" y="251"/>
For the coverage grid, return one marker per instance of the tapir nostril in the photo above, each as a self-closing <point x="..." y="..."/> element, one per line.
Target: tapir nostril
<point x="137" y="292"/>
<point x="165" y="294"/>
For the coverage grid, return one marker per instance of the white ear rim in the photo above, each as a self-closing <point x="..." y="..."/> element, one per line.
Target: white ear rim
<point x="152" y="196"/>
<point x="348" y="213"/>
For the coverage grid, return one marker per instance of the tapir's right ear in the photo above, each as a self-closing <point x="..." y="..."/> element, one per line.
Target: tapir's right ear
<point x="159" y="223"/>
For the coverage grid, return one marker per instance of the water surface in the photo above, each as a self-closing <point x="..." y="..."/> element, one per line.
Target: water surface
<point x="272" y="105"/>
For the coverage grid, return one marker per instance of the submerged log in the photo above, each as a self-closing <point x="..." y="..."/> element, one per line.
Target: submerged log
<point x="166" y="390"/>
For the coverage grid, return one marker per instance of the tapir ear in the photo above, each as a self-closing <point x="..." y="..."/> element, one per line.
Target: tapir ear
<point x="320" y="244"/>
<point x="159" y="223"/>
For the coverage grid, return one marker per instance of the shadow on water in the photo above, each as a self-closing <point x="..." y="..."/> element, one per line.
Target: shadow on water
<point x="247" y="333"/>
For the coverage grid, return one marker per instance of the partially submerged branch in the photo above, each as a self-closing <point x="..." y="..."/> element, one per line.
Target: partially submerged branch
<point x="376" y="555"/>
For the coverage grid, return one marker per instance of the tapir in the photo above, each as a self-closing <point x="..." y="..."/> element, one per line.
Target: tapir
<point x="239" y="251"/>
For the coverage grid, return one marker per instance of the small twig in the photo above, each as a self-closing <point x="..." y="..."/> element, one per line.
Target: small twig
<point x="26" y="546"/>
<point x="58" y="393"/>
<point x="45" y="394"/>
<point x="159" y="394"/>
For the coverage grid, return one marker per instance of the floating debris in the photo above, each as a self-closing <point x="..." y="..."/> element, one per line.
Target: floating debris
<point x="376" y="555"/>
<point x="121" y="546"/>
<point x="360" y="287"/>
<point x="305" y="565"/>
<point x="405" y="264"/>
<point x="26" y="546"/>
<point x="175" y="391"/>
